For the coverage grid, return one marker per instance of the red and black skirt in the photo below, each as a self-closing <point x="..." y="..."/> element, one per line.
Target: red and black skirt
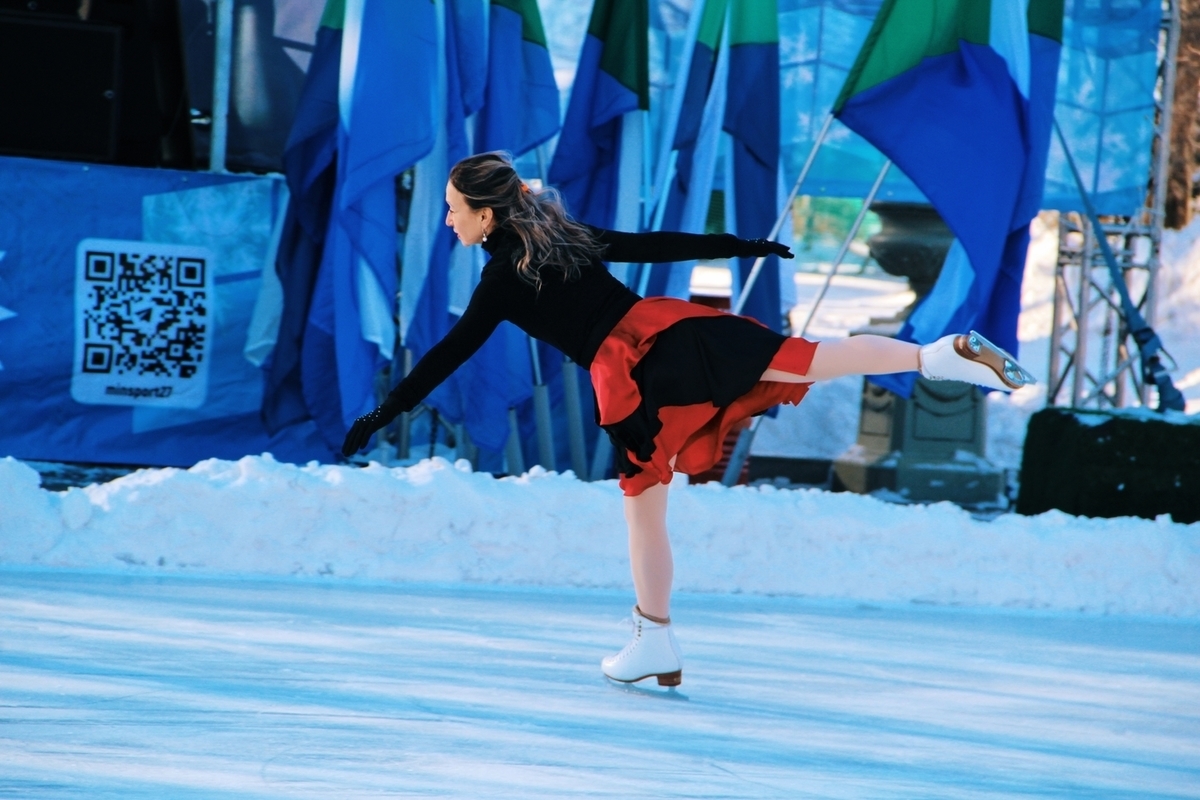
<point x="673" y="378"/>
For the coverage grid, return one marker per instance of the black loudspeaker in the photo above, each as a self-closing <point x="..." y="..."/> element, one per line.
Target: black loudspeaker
<point x="1127" y="463"/>
<point x="101" y="80"/>
<point x="58" y="87"/>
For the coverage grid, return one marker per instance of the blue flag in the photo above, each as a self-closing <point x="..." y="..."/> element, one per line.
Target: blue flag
<point x="386" y="123"/>
<point x="611" y="80"/>
<point x="308" y="162"/>
<point x="520" y="110"/>
<point x="695" y="142"/>
<point x="431" y="251"/>
<point x="962" y="100"/>
<point x="752" y="121"/>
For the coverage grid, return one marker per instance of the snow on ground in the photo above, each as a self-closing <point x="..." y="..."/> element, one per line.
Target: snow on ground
<point x="144" y="686"/>
<point x="438" y="630"/>
<point x="441" y="522"/>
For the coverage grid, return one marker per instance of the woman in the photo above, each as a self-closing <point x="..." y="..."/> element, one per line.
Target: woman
<point x="671" y="378"/>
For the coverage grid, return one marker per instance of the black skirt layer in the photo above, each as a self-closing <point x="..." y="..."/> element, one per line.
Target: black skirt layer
<point x="713" y="360"/>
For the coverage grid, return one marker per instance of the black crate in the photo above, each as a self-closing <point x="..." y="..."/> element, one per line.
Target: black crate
<point x="1111" y="464"/>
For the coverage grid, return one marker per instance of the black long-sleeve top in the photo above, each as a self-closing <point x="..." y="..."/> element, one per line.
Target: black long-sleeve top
<point x="574" y="316"/>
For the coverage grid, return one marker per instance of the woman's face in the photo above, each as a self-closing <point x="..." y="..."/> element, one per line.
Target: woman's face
<point x="469" y="224"/>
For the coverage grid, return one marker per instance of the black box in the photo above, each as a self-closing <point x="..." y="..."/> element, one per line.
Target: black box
<point x="1111" y="464"/>
<point x="58" y="87"/>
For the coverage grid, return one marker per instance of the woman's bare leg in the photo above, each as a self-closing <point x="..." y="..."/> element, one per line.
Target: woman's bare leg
<point x="650" y="551"/>
<point x="858" y="355"/>
<point x="646" y="514"/>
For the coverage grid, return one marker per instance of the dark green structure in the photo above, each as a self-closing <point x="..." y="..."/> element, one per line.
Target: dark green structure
<point x="927" y="448"/>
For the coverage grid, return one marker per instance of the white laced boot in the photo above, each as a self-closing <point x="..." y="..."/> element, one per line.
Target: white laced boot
<point x="653" y="653"/>
<point x="973" y="359"/>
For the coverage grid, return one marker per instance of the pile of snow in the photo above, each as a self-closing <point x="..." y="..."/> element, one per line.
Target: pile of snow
<point x="441" y="522"/>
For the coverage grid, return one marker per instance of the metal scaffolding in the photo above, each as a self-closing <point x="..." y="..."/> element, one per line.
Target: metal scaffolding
<point x="1093" y="362"/>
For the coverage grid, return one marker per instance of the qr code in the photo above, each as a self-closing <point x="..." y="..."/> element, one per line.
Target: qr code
<point x="143" y="323"/>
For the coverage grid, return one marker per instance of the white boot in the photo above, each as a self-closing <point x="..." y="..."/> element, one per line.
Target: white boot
<point x="973" y="359"/>
<point x="653" y="653"/>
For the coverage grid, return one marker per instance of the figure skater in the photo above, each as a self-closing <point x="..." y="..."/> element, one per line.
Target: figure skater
<point x="671" y="378"/>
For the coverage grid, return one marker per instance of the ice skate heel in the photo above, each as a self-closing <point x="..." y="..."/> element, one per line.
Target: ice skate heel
<point x="652" y="653"/>
<point x="671" y="678"/>
<point x="973" y="359"/>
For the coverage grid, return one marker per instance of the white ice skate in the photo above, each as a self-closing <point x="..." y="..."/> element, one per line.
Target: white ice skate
<point x="653" y="653"/>
<point x="973" y="359"/>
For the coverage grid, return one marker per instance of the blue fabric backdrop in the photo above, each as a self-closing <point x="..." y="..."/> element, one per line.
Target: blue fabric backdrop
<point x="46" y="209"/>
<point x="1105" y="101"/>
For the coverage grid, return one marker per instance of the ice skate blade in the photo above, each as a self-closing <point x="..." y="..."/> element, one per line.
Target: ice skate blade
<point x="664" y="679"/>
<point x="647" y="690"/>
<point x="974" y="347"/>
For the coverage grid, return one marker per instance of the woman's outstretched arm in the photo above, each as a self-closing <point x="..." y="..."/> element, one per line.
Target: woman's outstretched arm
<point x="473" y="328"/>
<point x="664" y="246"/>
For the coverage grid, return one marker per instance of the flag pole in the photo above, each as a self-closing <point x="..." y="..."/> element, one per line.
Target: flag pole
<point x="513" y="458"/>
<point x="784" y="213"/>
<point x="665" y="166"/>
<point x="570" y="375"/>
<point x="602" y="458"/>
<point x="574" y="418"/>
<point x="841" y="253"/>
<point x="741" y="450"/>
<point x="541" y="409"/>
<point x="656" y="224"/>
<point x="222" y="71"/>
<point x="541" y="392"/>
<point x="668" y="161"/>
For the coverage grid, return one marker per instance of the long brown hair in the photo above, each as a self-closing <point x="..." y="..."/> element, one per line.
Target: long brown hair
<point x="549" y="237"/>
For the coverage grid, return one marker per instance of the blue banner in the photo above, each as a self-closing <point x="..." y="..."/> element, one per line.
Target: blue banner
<point x="128" y="324"/>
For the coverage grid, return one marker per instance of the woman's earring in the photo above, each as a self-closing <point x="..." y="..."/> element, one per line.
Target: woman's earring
<point x="485" y="236"/>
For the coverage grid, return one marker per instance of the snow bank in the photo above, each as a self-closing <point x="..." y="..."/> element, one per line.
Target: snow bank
<point x="440" y="522"/>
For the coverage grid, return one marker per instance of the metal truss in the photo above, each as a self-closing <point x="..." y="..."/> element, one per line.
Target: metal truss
<point x="1093" y="362"/>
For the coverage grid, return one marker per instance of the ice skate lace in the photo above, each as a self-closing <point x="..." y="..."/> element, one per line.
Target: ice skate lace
<point x="635" y="632"/>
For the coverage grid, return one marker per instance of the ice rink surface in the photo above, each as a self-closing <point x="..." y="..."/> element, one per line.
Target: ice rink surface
<point x="177" y="687"/>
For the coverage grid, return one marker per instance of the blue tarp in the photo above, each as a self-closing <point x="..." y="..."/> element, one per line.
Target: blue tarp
<point x="1105" y="100"/>
<point x="135" y="330"/>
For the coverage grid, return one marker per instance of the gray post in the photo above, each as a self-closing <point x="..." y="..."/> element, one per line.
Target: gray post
<point x="602" y="458"/>
<point x="463" y="446"/>
<point x="222" y="73"/>
<point x="541" y="410"/>
<point x="403" y="435"/>
<point x="1079" y="384"/>
<point x="515" y="461"/>
<point x="1173" y="23"/>
<point x="574" y="419"/>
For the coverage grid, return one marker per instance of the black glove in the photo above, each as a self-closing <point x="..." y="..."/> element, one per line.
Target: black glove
<point x="765" y="247"/>
<point x="365" y="426"/>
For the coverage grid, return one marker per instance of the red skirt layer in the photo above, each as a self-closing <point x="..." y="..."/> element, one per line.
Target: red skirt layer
<point x="692" y="434"/>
